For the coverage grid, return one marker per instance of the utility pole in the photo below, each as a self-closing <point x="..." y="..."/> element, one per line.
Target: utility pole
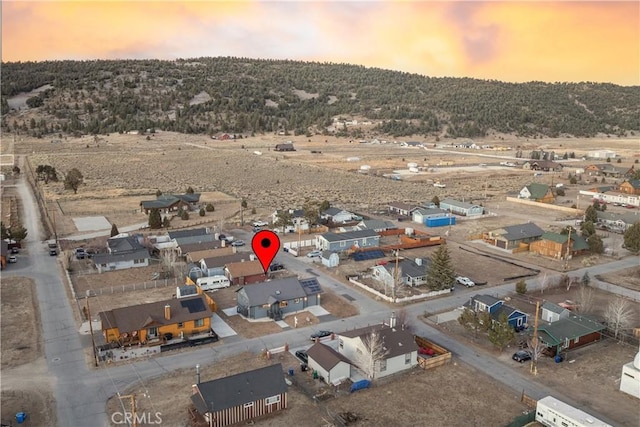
<point x="566" y="257"/>
<point x="134" y="412"/>
<point x="93" y="343"/>
<point x="395" y="279"/>
<point x="534" y="365"/>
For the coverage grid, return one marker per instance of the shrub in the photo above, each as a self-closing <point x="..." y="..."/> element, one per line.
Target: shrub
<point x="201" y="213"/>
<point x="184" y="215"/>
<point x="210" y="207"/>
<point x="521" y="287"/>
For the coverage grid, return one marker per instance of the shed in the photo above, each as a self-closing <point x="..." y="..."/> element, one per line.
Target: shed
<point x="332" y="366"/>
<point x="330" y="259"/>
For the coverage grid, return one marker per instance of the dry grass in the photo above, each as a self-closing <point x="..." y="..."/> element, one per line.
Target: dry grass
<point x="628" y="278"/>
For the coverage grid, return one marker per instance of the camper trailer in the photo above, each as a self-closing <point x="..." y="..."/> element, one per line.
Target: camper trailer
<point x="212" y="283"/>
<point x="552" y="412"/>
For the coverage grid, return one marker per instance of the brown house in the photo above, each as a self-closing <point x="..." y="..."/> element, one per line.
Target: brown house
<point x="630" y="187"/>
<point x="540" y="193"/>
<point x="555" y="245"/>
<point x="245" y="273"/>
<point x="241" y="397"/>
<point x="569" y="333"/>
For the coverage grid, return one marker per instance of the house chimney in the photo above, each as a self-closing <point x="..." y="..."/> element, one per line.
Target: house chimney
<point x="167" y="312"/>
<point x="418" y="261"/>
<point x="392" y="320"/>
<point x="252" y="257"/>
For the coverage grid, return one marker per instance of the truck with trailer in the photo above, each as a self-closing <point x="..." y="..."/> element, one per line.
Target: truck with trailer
<point x="552" y="412"/>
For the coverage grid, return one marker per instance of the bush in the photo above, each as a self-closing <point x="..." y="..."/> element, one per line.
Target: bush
<point x="521" y="287"/>
<point x="201" y="213"/>
<point x="184" y="215"/>
<point x="560" y="192"/>
<point x="210" y="207"/>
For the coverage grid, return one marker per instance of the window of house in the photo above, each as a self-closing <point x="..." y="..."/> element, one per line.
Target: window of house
<point x="198" y="323"/>
<point x="407" y="359"/>
<point x="152" y="332"/>
<point x="138" y="261"/>
<point x="271" y="400"/>
<point x="296" y="301"/>
<point x="248" y="405"/>
<point x="341" y="343"/>
<point x="343" y="244"/>
<point x="284" y="303"/>
<point x="180" y="325"/>
<point x="383" y="365"/>
<point x="575" y="341"/>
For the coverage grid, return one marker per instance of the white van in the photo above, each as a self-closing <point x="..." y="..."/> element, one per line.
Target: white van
<point x="213" y="282"/>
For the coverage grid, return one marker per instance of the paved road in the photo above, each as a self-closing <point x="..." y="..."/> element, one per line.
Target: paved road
<point x="81" y="392"/>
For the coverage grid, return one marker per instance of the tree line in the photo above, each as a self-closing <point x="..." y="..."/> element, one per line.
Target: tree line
<point x="260" y="96"/>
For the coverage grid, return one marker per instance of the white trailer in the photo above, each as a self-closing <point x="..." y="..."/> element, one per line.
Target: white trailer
<point x="552" y="412"/>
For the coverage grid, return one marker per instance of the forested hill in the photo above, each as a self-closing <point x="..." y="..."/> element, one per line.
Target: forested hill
<point x="237" y="95"/>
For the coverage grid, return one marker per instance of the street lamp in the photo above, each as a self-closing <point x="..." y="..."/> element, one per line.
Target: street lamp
<point x="198" y="373"/>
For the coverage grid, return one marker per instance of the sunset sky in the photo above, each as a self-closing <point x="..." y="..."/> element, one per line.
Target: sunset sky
<point x="512" y="41"/>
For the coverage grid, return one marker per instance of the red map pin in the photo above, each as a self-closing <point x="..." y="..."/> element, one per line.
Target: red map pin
<point x="265" y="245"/>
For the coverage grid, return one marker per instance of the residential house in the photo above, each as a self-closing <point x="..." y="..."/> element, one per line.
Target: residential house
<point x="336" y="215"/>
<point x="329" y="259"/>
<point x="376" y="225"/>
<point x="630" y="187"/>
<point x="277" y="298"/>
<point x="244" y="273"/>
<point x="618" y="222"/>
<point x="411" y="272"/>
<point x="214" y="266"/>
<point x="332" y="366"/>
<point x="461" y="208"/>
<point x="569" y="333"/>
<point x="298" y="221"/>
<point x="197" y="256"/>
<point x="607" y="170"/>
<point x="540" y="193"/>
<point x="196" y="235"/>
<point x="543" y="165"/>
<point x="240" y="398"/>
<point x="152" y="322"/>
<point x="285" y="147"/>
<point x="122" y="253"/>
<point x="559" y="246"/>
<point x="601" y="154"/>
<point x="420" y="215"/>
<point x="412" y="144"/>
<point x="399" y="344"/>
<point x="186" y="248"/>
<point x="400" y="208"/>
<point x="496" y="308"/>
<point x="513" y="236"/>
<point x="553" y="312"/>
<point x="340" y="242"/>
<point x="168" y="203"/>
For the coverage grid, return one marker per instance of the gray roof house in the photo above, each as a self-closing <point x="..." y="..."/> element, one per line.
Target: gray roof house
<point x="401" y="208"/>
<point x="188" y="233"/>
<point x="510" y="237"/>
<point x="171" y="202"/>
<point x="336" y="215"/>
<point x="376" y="225"/>
<point x="618" y="221"/>
<point x="461" y="208"/>
<point x="412" y="272"/>
<point x="124" y="244"/>
<point x="340" y="242"/>
<point x="332" y="366"/>
<point x="121" y="260"/>
<point x="276" y="298"/>
<point x="402" y="350"/>
<point x="241" y="397"/>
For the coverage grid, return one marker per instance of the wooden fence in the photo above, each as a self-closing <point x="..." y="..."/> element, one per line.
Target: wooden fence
<point x="528" y="400"/>
<point x="133" y="287"/>
<point x="442" y="356"/>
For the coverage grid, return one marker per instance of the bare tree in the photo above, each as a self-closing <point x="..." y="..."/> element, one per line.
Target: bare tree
<point x="585" y="299"/>
<point x="544" y="282"/>
<point x="371" y="353"/>
<point x="618" y="315"/>
<point x="403" y="320"/>
<point x="169" y="258"/>
<point x="537" y="350"/>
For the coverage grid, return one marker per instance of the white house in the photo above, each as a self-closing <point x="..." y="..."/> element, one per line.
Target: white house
<point x="553" y="312"/>
<point x="398" y="343"/>
<point x="298" y="220"/>
<point x="412" y="272"/>
<point x="630" y="380"/>
<point x="122" y="253"/>
<point x="601" y="154"/>
<point x="339" y="242"/>
<point x="420" y="215"/>
<point x="330" y="365"/>
<point x="336" y="215"/>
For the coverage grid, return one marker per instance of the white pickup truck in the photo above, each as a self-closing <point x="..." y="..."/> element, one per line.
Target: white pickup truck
<point x="439" y="185"/>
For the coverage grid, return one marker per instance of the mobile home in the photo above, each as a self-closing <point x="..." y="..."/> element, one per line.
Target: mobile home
<point x="552" y="412"/>
<point x="213" y="283"/>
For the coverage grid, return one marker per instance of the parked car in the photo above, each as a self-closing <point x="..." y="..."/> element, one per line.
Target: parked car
<point x="260" y="223"/>
<point x="15" y="250"/>
<point x="302" y="355"/>
<point x="320" y="334"/>
<point x="276" y="266"/>
<point x="237" y="243"/>
<point x="13" y="258"/>
<point x="521" y="356"/>
<point x="256" y="229"/>
<point x="465" y="281"/>
<point x="80" y="253"/>
<point x="314" y="254"/>
<point x="53" y="252"/>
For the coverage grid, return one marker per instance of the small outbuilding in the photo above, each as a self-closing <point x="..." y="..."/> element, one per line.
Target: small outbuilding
<point x="332" y="366"/>
<point x="330" y="259"/>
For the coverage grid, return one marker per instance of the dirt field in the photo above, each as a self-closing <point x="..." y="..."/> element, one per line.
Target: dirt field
<point x="385" y="404"/>
<point x="629" y="278"/>
<point x="26" y="386"/>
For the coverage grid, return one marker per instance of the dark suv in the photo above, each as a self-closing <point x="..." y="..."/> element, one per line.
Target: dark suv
<point x="521" y="356"/>
<point x="276" y="266"/>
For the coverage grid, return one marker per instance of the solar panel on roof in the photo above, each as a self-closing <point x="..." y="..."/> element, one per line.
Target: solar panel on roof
<point x="311" y="284"/>
<point x="367" y="255"/>
<point x="194" y="305"/>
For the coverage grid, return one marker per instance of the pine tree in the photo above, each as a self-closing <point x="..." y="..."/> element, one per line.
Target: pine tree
<point x="441" y="273"/>
<point x="155" y="219"/>
<point x="501" y="334"/>
<point x="632" y="238"/>
<point x="114" y="230"/>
